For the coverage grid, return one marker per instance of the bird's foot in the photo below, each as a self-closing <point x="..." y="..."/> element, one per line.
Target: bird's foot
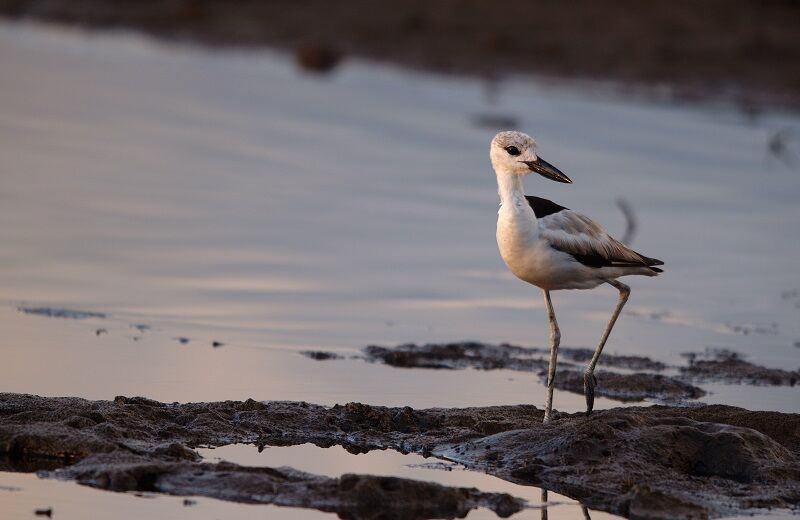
<point x="589" y="382"/>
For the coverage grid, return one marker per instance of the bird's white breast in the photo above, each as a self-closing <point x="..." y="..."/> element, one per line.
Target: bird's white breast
<point x="528" y="256"/>
<point x="518" y="238"/>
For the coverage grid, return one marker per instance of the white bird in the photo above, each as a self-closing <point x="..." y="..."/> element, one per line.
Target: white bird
<point x="553" y="247"/>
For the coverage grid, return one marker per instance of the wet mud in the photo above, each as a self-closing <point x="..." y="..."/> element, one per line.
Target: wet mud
<point x="583" y="355"/>
<point x="470" y="354"/>
<point x="351" y="496"/>
<point x="730" y="367"/>
<point x="630" y="387"/>
<point x="640" y="377"/>
<point x="627" y="387"/>
<point x="638" y="462"/>
<point x="321" y="355"/>
<point x="57" y="312"/>
<point x="461" y="355"/>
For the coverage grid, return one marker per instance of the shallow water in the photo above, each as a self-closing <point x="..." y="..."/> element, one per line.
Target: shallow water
<point x="224" y="196"/>
<point x="335" y="461"/>
<point x="23" y="494"/>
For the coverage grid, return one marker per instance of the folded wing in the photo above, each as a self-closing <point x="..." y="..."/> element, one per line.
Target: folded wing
<point x="582" y="238"/>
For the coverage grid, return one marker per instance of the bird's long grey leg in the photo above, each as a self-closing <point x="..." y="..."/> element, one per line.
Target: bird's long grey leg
<point x="555" y="340"/>
<point x="589" y="380"/>
<point x="585" y="511"/>
<point x="544" y="504"/>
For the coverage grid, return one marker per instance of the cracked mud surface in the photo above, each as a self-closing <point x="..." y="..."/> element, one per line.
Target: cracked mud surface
<point x="638" y="462"/>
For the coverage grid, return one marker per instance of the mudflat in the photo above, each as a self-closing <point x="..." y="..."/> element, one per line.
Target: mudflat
<point x="655" y="461"/>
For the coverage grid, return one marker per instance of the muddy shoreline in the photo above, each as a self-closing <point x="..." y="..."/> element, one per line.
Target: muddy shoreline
<point x="624" y="378"/>
<point x="744" y="52"/>
<point x="720" y="459"/>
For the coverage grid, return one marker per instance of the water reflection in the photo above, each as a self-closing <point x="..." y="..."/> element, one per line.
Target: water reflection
<point x="223" y="197"/>
<point x="22" y="494"/>
<point x="336" y="460"/>
<point x="545" y="516"/>
<point x="28" y="464"/>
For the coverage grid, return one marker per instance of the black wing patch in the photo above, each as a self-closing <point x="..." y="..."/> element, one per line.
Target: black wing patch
<point x="599" y="261"/>
<point x="543" y="207"/>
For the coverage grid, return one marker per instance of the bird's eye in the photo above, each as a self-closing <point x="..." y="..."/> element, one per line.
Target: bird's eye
<point x="512" y="150"/>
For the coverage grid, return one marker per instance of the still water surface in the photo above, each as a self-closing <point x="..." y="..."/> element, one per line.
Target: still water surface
<point x="224" y="196"/>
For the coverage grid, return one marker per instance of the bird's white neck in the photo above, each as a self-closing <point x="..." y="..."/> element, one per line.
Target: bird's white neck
<point x="509" y="187"/>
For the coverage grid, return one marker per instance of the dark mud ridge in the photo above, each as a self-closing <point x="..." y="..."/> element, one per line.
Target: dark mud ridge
<point x="57" y="312"/>
<point x="656" y="462"/>
<point x="627" y="386"/>
<point x="730" y="367"/>
<point x="746" y="51"/>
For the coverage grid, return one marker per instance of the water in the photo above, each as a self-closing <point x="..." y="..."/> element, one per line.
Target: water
<point x="224" y="196"/>
<point x="23" y="494"/>
<point x="336" y="460"/>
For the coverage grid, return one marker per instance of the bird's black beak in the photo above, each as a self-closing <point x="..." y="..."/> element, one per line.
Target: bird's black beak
<point x="545" y="169"/>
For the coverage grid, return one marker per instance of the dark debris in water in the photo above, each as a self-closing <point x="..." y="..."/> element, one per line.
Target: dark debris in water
<point x="321" y="355"/>
<point x="141" y="327"/>
<point x="466" y="354"/>
<point x="620" y="386"/>
<point x="630" y="387"/>
<point x="745" y="329"/>
<point x="470" y="354"/>
<point x="645" y="383"/>
<point x="584" y="355"/>
<point x="57" y="312"/>
<point x="654" y="462"/>
<point x="728" y="366"/>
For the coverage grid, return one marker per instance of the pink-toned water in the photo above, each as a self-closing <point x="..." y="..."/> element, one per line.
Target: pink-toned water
<point x="224" y="196"/>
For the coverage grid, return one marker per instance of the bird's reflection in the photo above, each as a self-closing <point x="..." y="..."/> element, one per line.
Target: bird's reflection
<point x="584" y="509"/>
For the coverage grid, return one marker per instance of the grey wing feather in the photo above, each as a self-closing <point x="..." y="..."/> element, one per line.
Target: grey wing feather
<point x="587" y="242"/>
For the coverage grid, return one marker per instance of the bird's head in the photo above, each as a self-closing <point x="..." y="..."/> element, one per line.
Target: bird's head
<point x="515" y="153"/>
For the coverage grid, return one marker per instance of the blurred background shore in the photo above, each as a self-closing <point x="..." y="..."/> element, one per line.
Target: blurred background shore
<point x="745" y="52"/>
